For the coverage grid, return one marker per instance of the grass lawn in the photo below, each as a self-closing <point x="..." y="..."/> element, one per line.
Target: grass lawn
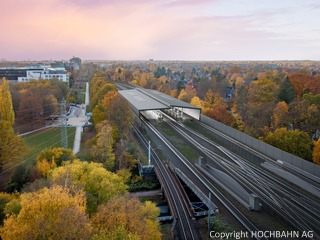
<point x="39" y="141"/>
<point x="35" y="143"/>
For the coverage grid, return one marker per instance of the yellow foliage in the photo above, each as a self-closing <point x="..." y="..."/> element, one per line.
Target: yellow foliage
<point x="316" y="152"/>
<point x="136" y="217"/>
<point x="43" y="166"/>
<point x="195" y="101"/>
<point x="92" y="177"/>
<point x="52" y="213"/>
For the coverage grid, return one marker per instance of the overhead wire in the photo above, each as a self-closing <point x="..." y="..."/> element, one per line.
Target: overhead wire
<point x="34" y="155"/>
<point x="57" y="135"/>
<point x="39" y="120"/>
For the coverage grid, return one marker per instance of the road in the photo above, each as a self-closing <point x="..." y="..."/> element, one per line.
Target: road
<point x="78" y="119"/>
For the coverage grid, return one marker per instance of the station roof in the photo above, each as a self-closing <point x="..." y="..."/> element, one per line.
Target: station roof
<point x="171" y="101"/>
<point x="142" y="101"/>
<point x="147" y="99"/>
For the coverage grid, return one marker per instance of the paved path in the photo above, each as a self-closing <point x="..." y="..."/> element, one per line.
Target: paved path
<point x="78" y="119"/>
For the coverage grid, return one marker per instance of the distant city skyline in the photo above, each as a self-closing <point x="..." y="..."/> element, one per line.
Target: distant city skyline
<point x="160" y="29"/>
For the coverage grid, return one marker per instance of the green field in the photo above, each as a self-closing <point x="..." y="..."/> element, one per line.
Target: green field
<point x="49" y="138"/>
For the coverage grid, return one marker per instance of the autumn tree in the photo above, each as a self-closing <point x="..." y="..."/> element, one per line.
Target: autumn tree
<point x="187" y="94"/>
<point x="101" y="146"/>
<point x="36" y="104"/>
<point x="99" y="114"/>
<point x="316" y="152"/>
<point x="195" y="101"/>
<point x="280" y="115"/>
<point x="5" y="198"/>
<point x="51" y="158"/>
<point x="53" y="213"/>
<point x="215" y="107"/>
<point x="262" y="96"/>
<point x="117" y="233"/>
<point x="137" y="218"/>
<point x="304" y="83"/>
<point x="292" y="141"/>
<point x="99" y="184"/>
<point x="120" y="114"/>
<point x="98" y="88"/>
<point x="304" y="115"/>
<point x="6" y="109"/>
<point x="11" y="145"/>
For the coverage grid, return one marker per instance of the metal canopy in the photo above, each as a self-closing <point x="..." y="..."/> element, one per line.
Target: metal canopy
<point x="141" y="101"/>
<point x="171" y="101"/>
<point x="145" y="99"/>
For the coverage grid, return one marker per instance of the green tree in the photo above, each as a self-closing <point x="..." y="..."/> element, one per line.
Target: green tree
<point x="292" y="141"/>
<point x="286" y="91"/>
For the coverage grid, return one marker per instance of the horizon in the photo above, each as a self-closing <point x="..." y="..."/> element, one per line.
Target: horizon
<point x="164" y="30"/>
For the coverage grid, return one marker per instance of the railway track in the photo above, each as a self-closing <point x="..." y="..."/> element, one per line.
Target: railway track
<point x="183" y="217"/>
<point x="204" y="180"/>
<point x="299" y="209"/>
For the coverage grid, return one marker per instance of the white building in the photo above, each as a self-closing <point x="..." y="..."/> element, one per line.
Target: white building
<point x="44" y="73"/>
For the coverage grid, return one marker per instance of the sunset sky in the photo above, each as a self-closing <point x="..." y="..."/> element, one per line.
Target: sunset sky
<point x="160" y="29"/>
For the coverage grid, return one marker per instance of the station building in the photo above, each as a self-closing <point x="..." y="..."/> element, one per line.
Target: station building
<point x="150" y="104"/>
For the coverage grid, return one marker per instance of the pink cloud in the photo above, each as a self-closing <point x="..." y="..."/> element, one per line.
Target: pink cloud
<point x="138" y="29"/>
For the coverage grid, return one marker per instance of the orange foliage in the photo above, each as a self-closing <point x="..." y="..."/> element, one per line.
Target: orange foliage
<point x="304" y="83"/>
<point x="109" y="97"/>
<point x="316" y="152"/>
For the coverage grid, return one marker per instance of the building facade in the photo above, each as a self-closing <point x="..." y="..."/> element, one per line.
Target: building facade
<point x="25" y="74"/>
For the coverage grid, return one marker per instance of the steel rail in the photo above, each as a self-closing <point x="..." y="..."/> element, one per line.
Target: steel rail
<point x="292" y="217"/>
<point x="232" y="209"/>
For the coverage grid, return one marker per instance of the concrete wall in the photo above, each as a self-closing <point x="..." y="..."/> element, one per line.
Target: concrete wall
<point x="259" y="146"/>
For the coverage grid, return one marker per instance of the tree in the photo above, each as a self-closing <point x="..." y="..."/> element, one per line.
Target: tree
<point x="6" y="109"/>
<point x="30" y="108"/>
<point x="5" y="198"/>
<point x="304" y="115"/>
<point x="51" y="158"/>
<point x="12" y="147"/>
<point x="292" y="141"/>
<point x="120" y="115"/>
<point x="195" y="101"/>
<point x="280" y="115"/>
<point x="304" y="83"/>
<point x="286" y="91"/>
<point x="137" y="218"/>
<point x="316" y="152"/>
<point x="99" y="114"/>
<point x="187" y="94"/>
<point x="262" y="91"/>
<point x="101" y="146"/>
<point x="99" y="184"/>
<point x="53" y="213"/>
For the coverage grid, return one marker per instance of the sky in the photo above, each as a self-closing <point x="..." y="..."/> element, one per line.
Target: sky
<point x="160" y="29"/>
